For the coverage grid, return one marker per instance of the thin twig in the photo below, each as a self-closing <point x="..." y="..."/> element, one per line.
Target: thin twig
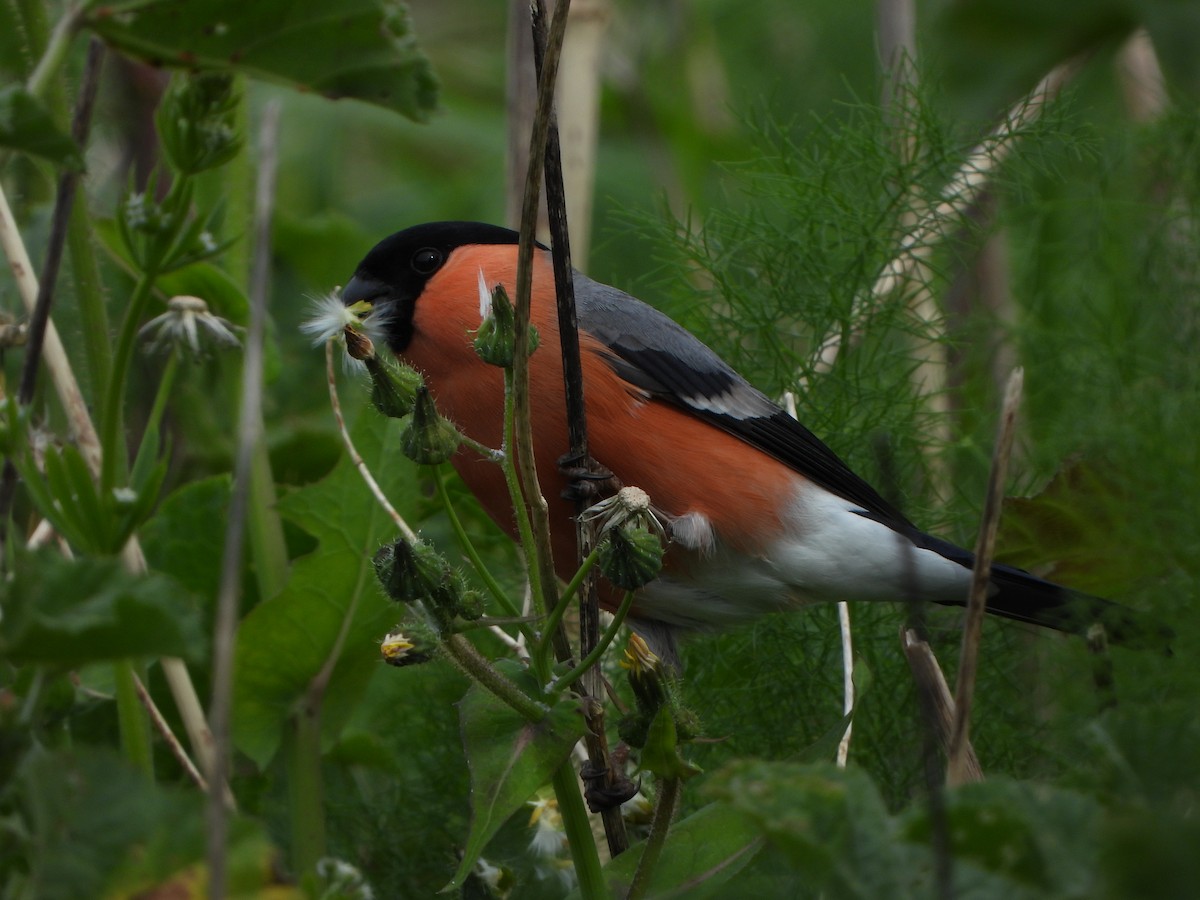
<point x="54" y="355"/>
<point x="164" y="730"/>
<point x="985" y="548"/>
<point x="935" y="693"/>
<point x="568" y="335"/>
<point x="249" y="433"/>
<point x="355" y="457"/>
<point x="536" y="502"/>
<point x="39" y="319"/>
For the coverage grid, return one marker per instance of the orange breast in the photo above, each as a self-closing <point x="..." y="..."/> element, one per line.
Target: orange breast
<point x="685" y="465"/>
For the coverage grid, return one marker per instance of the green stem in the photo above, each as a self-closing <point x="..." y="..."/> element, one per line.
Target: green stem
<point x="55" y="53"/>
<point x="601" y="645"/>
<point x="475" y="666"/>
<point x="564" y="601"/>
<point x="468" y="547"/>
<point x="165" y="383"/>
<point x="668" y="794"/>
<point x="93" y="314"/>
<point x="578" y="829"/>
<point x="306" y="806"/>
<point x="517" y="496"/>
<point x="132" y="720"/>
<point x="111" y="416"/>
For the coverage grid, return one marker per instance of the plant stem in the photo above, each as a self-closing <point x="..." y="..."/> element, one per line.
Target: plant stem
<point x="564" y="601"/>
<point x="305" y="792"/>
<point x="464" y="541"/>
<point x="93" y="314"/>
<point x="476" y="667"/>
<point x="132" y="720"/>
<point x="601" y="645"/>
<point x="664" y="811"/>
<point x="579" y="832"/>
<point x="55" y="53"/>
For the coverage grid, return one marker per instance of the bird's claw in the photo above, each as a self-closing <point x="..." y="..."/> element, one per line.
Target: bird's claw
<point x="604" y="788"/>
<point x="587" y="480"/>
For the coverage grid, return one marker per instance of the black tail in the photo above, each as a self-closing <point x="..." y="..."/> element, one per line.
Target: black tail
<point x="1018" y="595"/>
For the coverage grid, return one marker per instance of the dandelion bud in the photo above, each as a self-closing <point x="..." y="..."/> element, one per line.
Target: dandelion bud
<point x="393" y="388"/>
<point x="631" y="556"/>
<point x="427" y="438"/>
<point x="496" y="336"/>
<point x="417" y="573"/>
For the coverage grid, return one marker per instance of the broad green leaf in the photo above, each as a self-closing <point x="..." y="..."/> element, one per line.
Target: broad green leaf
<point x="830" y="823"/>
<point x="98" y="828"/>
<point x="331" y="612"/>
<point x="27" y="126"/>
<point x="510" y="758"/>
<point x="703" y="852"/>
<point x="71" y="612"/>
<point x="363" y="49"/>
<point x="186" y="536"/>
<point x="1034" y="836"/>
<point x="1071" y="532"/>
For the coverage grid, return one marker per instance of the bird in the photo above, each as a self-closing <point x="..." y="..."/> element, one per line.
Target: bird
<point x="763" y="517"/>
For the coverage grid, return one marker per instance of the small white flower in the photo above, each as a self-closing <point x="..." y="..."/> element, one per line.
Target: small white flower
<point x="188" y="325"/>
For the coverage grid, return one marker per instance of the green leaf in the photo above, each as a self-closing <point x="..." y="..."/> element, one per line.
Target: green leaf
<point x="703" y="852"/>
<point x="70" y="612"/>
<point x="831" y="824"/>
<point x="185" y="539"/>
<point x="98" y="828"/>
<point x="331" y="612"/>
<point x="27" y="126"/>
<point x="1034" y="836"/>
<point x="1072" y="531"/>
<point x="510" y="758"/>
<point x="363" y="49"/>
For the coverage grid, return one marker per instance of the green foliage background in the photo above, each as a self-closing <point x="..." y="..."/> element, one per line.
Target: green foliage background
<point x="749" y="185"/>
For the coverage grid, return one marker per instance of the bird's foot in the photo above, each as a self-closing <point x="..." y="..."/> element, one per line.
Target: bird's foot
<point x="587" y="480"/>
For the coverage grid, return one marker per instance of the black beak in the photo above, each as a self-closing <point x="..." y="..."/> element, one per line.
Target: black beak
<point x="363" y="287"/>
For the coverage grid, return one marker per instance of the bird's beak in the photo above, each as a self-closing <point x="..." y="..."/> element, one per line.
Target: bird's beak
<point x="362" y="289"/>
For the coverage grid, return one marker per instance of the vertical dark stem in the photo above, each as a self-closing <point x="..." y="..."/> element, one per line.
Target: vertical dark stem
<point x="568" y="334"/>
<point x="68" y="182"/>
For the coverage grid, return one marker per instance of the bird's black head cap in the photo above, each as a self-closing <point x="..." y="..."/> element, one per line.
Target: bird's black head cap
<point x="396" y="270"/>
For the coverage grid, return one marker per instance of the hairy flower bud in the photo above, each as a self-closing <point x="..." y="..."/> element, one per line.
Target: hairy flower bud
<point x="630" y="538"/>
<point x="496" y="337"/>
<point x="427" y="438"/>
<point x="393" y="387"/>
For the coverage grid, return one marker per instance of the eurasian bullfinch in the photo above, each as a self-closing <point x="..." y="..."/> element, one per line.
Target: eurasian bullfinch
<point x="762" y="515"/>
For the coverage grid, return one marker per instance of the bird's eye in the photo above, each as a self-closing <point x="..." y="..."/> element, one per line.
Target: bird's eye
<point x="426" y="260"/>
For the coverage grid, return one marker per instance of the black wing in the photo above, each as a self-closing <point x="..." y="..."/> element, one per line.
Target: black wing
<point x="679" y="369"/>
